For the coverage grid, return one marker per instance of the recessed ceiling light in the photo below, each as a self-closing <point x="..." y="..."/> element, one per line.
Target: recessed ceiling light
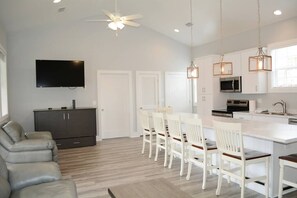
<point x="56" y="1"/>
<point x="176" y="30"/>
<point x="277" y="12"/>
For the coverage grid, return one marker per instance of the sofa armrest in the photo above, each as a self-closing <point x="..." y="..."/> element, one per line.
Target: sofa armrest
<point x="28" y="174"/>
<point x="46" y="135"/>
<point x="32" y="145"/>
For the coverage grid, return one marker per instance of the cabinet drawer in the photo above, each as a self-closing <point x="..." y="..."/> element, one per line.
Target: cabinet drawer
<point x="76" y="142"/>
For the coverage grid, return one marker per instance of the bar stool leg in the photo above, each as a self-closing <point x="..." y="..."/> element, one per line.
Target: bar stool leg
<point x="157" y="147"/>
<point x="242" y="180"/>
<point x="151" y="145"/>
<point x="281" y="177"/>
<point x="267" y="177"/>
<point x="218" y="191"/>
<point x="143" y="144"/>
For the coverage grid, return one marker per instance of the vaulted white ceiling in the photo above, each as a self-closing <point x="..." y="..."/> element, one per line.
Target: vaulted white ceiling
<point x="160" y="15"/>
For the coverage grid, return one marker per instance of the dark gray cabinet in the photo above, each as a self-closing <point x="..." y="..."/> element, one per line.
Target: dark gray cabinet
<point x="70" y="128"/>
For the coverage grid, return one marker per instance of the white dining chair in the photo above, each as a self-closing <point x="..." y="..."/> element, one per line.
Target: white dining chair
<point x="162" y="136"/>
<point x="177" y="140"/>
<point x="286" y="161"/>
<point x="200" y="151"/>
<point x="231" y="149"/>
<point x="148" y="131"/>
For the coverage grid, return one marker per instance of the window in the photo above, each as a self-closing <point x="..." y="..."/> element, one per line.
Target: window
<point x="3" y="85"/>
<point x="284" y="67"/>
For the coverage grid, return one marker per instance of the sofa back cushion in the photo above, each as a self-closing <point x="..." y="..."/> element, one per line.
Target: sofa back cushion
<point x="14" y="130"/>
<point x="4" y="188"/>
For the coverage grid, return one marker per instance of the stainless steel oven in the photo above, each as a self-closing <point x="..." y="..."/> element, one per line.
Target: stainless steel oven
<point x="230" y="84"/>
<point x="232" y="106"/>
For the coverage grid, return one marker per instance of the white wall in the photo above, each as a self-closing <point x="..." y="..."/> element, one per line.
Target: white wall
<point x="3" y="37"/>
<point x="133" y="49"/>
<point x="282" y="31"/>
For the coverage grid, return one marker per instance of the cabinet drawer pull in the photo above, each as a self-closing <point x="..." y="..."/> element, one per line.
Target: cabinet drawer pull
<point x="68" y="116"/>
<point x="63" y="116"/>
<point x="59" y="144"/>
<point x="76" y="142"/>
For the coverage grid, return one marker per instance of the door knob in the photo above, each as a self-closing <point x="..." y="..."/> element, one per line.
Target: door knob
<point x="140" y="108"/>
<point x="102" y="109"/>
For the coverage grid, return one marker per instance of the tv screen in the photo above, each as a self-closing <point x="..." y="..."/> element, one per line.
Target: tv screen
<point x="60" y="73"/>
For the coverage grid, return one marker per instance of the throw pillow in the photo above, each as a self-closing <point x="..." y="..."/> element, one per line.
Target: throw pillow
<point x="14" y="130"/>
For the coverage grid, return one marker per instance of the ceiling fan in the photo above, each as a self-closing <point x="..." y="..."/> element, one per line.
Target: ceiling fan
<point x="116" y="21"/>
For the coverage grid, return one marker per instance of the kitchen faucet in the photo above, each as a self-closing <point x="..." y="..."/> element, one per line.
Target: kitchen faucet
<point x="283" y="104"/>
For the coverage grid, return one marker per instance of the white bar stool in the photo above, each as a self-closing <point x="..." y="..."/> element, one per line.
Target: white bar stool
<point x="230" y="145"/>
<point x="200" y="151"/>
<point x="147" y="131"/>
<point x="162" y="136"/>
<point x="289" y="161"/>
<point x="177" y="140"/>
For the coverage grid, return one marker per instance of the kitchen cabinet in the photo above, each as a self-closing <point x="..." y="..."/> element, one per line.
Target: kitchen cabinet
<point x="209" y="96"/>
<point x="242" y="116"/>
<point x="252" y="82"/>
<point x="69" y="128"/>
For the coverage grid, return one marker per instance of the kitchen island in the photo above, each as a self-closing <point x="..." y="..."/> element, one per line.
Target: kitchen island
<point x="274" y="138"/>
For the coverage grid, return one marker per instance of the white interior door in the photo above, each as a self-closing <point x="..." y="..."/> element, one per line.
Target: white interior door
<point x="115" y="102"/>
<point x="147" y="92"/>
<point x="178" y="93"/>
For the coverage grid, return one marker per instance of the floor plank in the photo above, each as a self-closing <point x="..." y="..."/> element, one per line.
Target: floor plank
<point x="119" y="161"/>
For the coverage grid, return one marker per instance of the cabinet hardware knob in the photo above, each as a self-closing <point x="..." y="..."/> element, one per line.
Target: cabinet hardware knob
<point x="102" y="109"/>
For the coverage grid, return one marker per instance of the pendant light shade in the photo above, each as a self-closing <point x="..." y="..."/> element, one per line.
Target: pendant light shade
<point x="260" y="62"/>
<point x="222" y="68"/>
<point x="192" y="70"/>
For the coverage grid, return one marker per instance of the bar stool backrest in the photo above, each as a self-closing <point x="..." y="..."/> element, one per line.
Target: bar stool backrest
<point x="159" y="124"/>
<point x="194" y="131"/>
<point x="229" y="138"/>
<point x="174" y="126"/>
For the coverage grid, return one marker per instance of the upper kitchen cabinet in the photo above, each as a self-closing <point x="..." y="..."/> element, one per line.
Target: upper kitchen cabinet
<point x="205" y="81"/>
<point x="252" y="82"/>
<point x="236" y="62"/>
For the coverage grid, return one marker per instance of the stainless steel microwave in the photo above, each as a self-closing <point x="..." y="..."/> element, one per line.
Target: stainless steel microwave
<point x="230" y="84"/>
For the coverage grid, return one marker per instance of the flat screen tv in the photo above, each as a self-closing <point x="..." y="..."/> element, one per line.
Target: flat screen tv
<point x="60" y="73"/>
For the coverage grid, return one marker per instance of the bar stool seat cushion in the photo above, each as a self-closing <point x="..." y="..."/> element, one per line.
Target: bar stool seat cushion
<point x="291" y="158"/>
<point x="249" y="155"/>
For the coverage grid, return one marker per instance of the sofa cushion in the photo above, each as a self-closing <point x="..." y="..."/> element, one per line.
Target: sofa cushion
<point x="14" y="130"/>
<point x="23" y="175"/>
<point x="4" y="188"/>
<point x="61" y="189"/>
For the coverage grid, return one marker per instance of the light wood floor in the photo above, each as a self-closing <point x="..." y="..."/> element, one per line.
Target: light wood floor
<point x="119" y="161"/>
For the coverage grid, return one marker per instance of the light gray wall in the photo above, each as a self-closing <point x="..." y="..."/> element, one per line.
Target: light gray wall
<point x="3" y="37"/>
<point x="133" y="49"/>
<point x="282" y="31"/>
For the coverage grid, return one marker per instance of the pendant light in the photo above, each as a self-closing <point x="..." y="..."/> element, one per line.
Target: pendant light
<point x="192" y="70"/>
<point x="222" y="68"/>
<point x="260" y="62"/>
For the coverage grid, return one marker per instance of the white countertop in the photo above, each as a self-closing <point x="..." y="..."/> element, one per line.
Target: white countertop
<point x="282" y="133"/>
<point x="264" y="114"/>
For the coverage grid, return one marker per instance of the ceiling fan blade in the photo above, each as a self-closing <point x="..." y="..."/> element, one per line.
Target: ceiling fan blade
<point x="131" y="23"/>
<point x="109" y="14"/>
<point x="131" y="17"/>
<point x="99" y="20"/>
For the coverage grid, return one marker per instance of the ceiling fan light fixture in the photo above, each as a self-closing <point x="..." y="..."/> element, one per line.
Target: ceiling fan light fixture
<point x="56" y="1"/>
<point x="120" y="25"/>
<point x="113" y="26"/>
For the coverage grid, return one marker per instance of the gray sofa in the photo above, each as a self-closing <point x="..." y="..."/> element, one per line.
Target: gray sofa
<point x="16" y="146"/>
<point x="34" y="180"/>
